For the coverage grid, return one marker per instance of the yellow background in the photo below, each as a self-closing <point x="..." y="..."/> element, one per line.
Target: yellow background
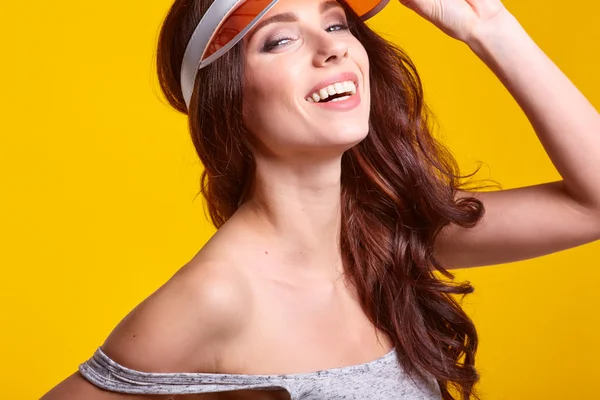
<point x="98" y="179"/>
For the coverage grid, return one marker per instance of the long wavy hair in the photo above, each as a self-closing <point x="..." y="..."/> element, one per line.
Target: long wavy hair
<point x="399" y="189"/>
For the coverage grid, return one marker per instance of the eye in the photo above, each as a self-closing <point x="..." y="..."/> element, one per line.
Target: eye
<point x="271" y="45"/>
<point x="337" y="27"/>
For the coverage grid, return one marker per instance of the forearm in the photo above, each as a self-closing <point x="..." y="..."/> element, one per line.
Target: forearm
<point x="567" y="125"/>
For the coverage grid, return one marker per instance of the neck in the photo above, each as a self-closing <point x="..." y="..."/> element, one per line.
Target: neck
<point x="296" y="208"/>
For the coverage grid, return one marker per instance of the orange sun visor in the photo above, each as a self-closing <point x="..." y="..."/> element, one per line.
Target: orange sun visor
<point x="227" y="22"/>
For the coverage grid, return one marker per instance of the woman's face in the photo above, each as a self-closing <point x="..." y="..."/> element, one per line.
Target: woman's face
<point x="299" y="59"/>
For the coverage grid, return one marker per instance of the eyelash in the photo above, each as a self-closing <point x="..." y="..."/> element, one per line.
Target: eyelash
<point x="273" y="44"/>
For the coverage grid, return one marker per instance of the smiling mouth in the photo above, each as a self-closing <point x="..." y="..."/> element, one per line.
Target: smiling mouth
<point x="338" y="91"/>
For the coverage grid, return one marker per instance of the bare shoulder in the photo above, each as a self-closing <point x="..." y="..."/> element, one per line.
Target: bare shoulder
<point x="184" y="325"/>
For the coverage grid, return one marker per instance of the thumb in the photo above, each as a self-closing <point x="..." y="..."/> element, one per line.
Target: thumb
<point x="408" y="3"/>
<point x="413" y="5"/>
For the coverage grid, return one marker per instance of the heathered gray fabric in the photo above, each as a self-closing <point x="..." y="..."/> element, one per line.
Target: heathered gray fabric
<point x="376" y="380"/>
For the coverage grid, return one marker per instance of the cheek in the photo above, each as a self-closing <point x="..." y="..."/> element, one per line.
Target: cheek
<point x="269" y="90"/>
<point x="362" y="60"/>
<point x="268" y="114"/>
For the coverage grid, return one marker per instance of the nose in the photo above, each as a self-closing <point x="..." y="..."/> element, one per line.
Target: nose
<point x="329" y="50"/>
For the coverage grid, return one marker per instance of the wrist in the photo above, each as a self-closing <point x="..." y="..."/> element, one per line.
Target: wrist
<point x="494" y="33"/>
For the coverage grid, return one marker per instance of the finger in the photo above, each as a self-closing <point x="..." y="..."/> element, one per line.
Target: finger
<point x="412" y="5"/>
<point x="408" y="3"/>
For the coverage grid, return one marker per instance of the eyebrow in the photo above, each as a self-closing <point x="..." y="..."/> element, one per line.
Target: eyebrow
<point x="290" y="17"/>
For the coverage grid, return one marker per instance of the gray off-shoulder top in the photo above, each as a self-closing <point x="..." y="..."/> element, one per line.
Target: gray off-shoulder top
<point x="381" y="379"/>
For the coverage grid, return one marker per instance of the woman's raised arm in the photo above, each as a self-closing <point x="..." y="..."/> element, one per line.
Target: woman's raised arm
<point x="533" y="221"/>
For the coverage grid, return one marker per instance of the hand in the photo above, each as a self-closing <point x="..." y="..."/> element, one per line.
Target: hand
<point x="460" y="19"/>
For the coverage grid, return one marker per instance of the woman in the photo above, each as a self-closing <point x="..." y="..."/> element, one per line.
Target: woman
<point x="335" y="208"/>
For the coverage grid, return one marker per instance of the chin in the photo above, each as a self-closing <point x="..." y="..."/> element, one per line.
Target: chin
<point x="348" y="135"/>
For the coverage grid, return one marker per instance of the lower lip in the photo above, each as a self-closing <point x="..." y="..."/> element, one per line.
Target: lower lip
<point x="344" y="105"/>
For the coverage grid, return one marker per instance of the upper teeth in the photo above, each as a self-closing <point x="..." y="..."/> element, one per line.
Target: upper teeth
<point x="331" y="90"/>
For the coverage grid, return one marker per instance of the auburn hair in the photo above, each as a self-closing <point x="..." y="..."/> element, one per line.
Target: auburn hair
<point x="399" y="189"/>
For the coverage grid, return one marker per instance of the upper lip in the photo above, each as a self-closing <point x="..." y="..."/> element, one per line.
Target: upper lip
<point x="342" y="77"/>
